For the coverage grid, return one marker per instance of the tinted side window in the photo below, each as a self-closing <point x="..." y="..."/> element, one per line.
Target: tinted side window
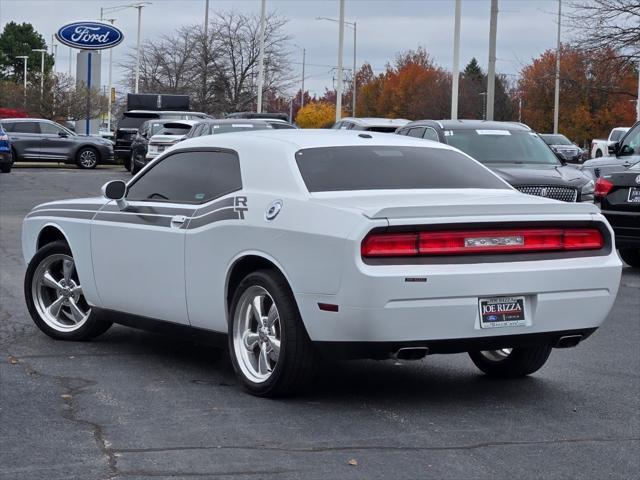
<point x="49" y="129"/>
<point x="26" y="127"/>
<point x="8" y="126"/>
<point x="431" y="134"/>
<point x="416" y="132"/>
<point x="328" y="169"/>
<point x="189" y="177"/>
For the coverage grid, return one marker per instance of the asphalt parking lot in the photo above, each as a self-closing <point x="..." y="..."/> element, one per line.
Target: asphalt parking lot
<point x="135" y="405"/>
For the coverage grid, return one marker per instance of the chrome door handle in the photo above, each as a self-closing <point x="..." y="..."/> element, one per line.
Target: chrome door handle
<point x="178" y="220"/>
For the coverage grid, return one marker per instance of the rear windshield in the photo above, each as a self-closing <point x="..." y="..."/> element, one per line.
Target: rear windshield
<point x="390" y="168"/>
<point x="239" y="127"/>
<point x="556" y="140"/>
<point x="492" y="146"/>
<point x="616" y="135"/>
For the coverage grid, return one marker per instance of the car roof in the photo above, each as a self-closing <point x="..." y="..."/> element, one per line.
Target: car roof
<point x="23" y="119"/>
<point x="473" y="125"/>
<point x="229" y="121"/>
<point x="377" y="121"/>
<point x="297" y="139"/>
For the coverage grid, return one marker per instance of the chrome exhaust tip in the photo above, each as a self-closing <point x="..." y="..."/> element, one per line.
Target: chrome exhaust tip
<point x="411" y="353"/>
<point x="568" y="341"/>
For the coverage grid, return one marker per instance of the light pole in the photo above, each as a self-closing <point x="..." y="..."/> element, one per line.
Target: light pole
<point x="491" y="74"/>
<point x="263" y="13"/>
<point x="25" y="58"/>
<point x="354" y="84"/>
<point x="42" y="52"/>
<point x="556" y="96"/>
<point x="304" y="54"/>
<point x="456" y="63"/>
<point x="139" y="6"/>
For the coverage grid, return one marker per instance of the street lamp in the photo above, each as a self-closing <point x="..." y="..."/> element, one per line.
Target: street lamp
<point x="139" y="6"/>
<point x="25" y="58"/>
<point x="304" y="54"/>
<point x="42" y="52"/>
<point x="353" y="86"/>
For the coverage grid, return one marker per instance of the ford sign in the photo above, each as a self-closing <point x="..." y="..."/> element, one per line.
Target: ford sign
<point x="89" y="35"/>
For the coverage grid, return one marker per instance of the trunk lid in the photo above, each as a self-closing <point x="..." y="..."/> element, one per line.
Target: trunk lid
<point x="437" y="203"/>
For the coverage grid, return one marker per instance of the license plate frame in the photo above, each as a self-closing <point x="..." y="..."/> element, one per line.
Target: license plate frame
<point x="634" y="195"/>
<point x="502" y="311"/>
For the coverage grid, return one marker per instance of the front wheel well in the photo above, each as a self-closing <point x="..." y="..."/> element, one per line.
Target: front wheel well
<point x="50" y="234"/>
<point x="243" y="267"/>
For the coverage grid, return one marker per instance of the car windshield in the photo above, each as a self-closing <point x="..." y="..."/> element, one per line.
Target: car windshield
<point x="326" y="169"/>
<point x="502" y="146"/>
<point x="631" y="143"/>
<point x="173" y="130"/>
<point x="239" y="127"/>
<point x="617" y="135"/>
<point x="556" y="140"/>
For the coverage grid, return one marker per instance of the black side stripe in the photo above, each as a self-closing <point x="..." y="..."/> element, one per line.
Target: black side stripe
<point x="59" y="213"/>
<point x="212" y="217"/>
<point x="227" y="202"/>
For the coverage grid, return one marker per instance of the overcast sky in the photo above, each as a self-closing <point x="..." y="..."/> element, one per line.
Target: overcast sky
<point x="385" y="27"/>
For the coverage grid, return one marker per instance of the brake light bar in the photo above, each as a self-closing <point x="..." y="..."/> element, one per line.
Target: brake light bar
<point x="474" y="242"/>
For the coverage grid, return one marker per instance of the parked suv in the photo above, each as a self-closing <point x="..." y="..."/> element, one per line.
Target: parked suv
<point x="131" y="121"/>
<point x="39" y="140"/>
<point x="6" y="159"/>
<point x="513" y="151"/>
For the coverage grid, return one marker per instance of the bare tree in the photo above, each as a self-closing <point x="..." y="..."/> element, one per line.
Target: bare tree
<point x="607" y="24"/>
<point x="218" y="71"/>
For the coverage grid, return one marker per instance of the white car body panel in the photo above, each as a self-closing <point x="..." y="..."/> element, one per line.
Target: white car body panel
<point x="180" y="274"/>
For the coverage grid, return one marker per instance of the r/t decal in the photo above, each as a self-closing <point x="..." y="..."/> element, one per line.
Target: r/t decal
<point x="240" y="206"/>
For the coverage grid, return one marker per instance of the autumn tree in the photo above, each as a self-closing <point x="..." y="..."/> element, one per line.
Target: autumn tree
<point x="412" y="87"/>
<point x="318" y="114"/>
<point x="594" y="96"/>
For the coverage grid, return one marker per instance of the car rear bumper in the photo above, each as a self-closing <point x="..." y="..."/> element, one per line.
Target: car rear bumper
<point x="381" y="350"/>
<point x="378" y="304"/>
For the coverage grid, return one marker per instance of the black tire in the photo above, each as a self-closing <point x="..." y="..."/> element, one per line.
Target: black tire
<point x="87" y="158"/>
<point x="598" y="154"/>
<point x="91" y="328"/>
<point x="5" y="167"/>
<point x="297" y="362"/>
<point x="14" y="155"/>
<point x="519" y="363"/>
<point x="631" y="256"/>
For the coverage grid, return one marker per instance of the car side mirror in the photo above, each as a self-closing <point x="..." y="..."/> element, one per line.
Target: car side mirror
<point x="116" y="190"/>
<point x="560" y="157"/>
<point x="613" y="148"/>
<point x="63" y="134"/>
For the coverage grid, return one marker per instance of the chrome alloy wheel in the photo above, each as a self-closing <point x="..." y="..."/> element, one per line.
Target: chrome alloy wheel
<point x="88" y="158"/>
<point x="57" y="294"/>
<point x="497" y="355"/>
<point x="256" y="334"/>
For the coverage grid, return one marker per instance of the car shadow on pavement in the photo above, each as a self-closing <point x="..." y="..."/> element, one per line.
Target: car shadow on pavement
<point x="444" y="379"/>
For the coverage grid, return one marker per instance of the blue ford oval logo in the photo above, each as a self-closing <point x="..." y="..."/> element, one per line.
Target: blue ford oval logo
<point x="89" y="35"/>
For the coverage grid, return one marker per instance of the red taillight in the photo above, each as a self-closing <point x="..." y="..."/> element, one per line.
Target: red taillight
<point x="390" y="245"/>
<point x="470" y="242"/>
<point x="602" y="188"/>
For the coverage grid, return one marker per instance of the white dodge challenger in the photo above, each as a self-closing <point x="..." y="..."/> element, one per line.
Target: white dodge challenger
<point x="294" y="244"/>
